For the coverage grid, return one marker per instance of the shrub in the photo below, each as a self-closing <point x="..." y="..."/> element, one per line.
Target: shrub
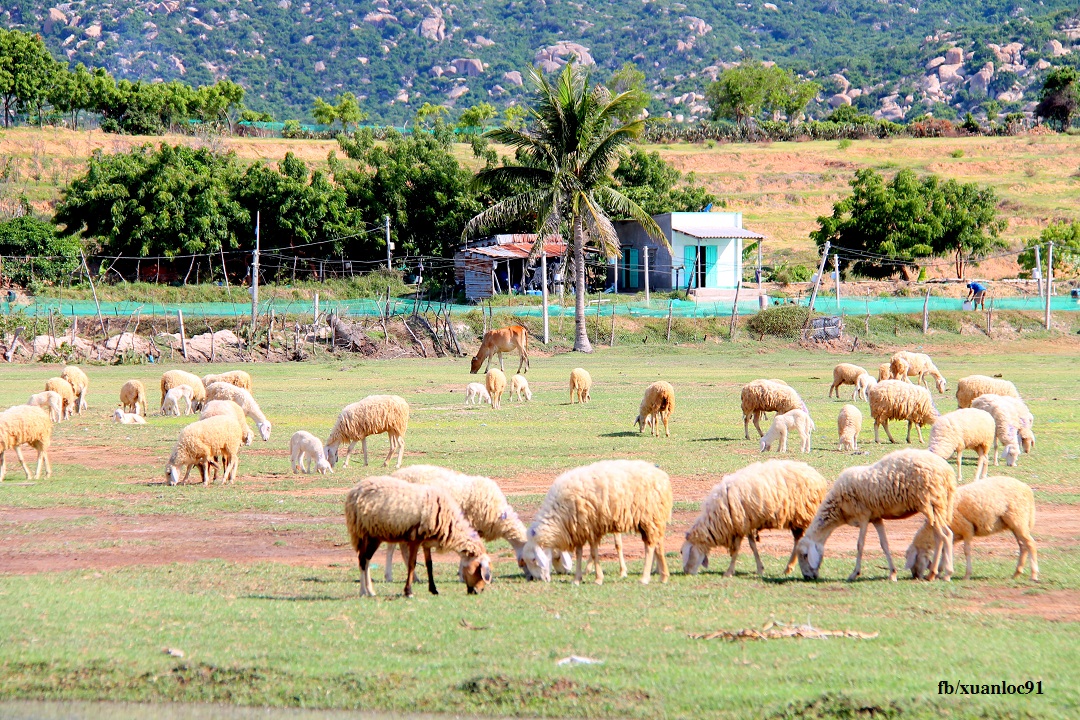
<point x="782" y="321"/>
<point x="35" y="253"/>
<point x="788" y="274"/>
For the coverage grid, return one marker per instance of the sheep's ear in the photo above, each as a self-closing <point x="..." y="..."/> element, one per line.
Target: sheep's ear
<point x="485" y="571"/>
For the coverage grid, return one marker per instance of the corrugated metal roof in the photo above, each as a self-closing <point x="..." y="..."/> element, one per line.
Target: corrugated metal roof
<point x="519" y="250"/>
<point x="700" y="225"/>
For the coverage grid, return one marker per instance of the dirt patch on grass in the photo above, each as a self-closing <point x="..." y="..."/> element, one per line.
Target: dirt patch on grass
<point x="101" y="457"/>
<point x="1054" y="605"/>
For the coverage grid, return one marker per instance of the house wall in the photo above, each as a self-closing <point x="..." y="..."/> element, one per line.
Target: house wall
<point x="667" y="268"/>
<point x="631" y="234"/>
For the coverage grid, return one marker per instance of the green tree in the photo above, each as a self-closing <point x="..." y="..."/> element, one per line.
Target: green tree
<point x="651" y="182"/>
<point x="514" y="117"/>
<point x="323" y="112"/>
<point x="474" y="119"/>
<point x="1059" y="102"/>
<point x="26" y="70"/>
<point x="1066" y="239"/>
<point x="741" y="93"/>
<point x="70" y="92"/>
<point x="970" y="225"/>
<point x="628" y="79"/>
<point x="54" y="256"/>
<point x="348" y="110"/>
<point x="570" y="147"/>
<point x="429" y="116"/>
<point x="219" y="102"/>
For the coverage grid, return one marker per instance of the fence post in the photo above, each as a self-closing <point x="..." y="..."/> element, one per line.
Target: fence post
<point x="1049" y="281"/>
<point x="611" y="339"/>
<point x="670" y="303"/>
<point x="734" y="311"/>
<point x="646" y="251"/>
<point x="544" y="286"/>
<point x="926" y="313"/>
<point x="183" y="339"/>
<point x="817" y="281"/>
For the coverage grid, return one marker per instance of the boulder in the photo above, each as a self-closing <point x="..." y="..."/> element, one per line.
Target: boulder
<point x="55" y="18"/>
<point x="457" y="91"/>
<point x="482" y="41"/>
<point x="436" y="71"/>
<point x="1009" y="96"/>
<point x="839" y="99"/>
<point x="980" y="81"/>
<point x="320" y="66"/>
<point x="1042" y="65"/>
<point x="843" y="81"/>
<point x="954" y="56"/>
<point x="514" y="78"/>
<point x="433" y="27"/>
<point x="470" y="67"/>
<point x="402" y="96"/>
<point x="556" y="55"/>
<point x="696" y="25"/>
<point x="94" y="31"/>
<point x="1054" y="48"/>
<point x="934" y="62"/>
<point x="950" y="74"/>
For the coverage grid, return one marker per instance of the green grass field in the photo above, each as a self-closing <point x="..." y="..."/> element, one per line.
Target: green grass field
<point x="102" y="566"/>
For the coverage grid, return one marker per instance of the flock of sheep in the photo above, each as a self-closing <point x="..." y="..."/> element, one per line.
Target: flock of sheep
<point x="426" y="507"/>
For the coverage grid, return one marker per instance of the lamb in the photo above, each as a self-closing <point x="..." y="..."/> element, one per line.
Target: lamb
<point x="587" y="503"/>
<point x="62" y="387"/>
<point x="126" y="418"/>
<point x="904" y="364"/>
<point x="656" y="407"/>
<point x="519" y="385"/>
<point x="862" y="386"/>
<point x="25" y="425"/>
<point x="133" y="396"/>
<point x="849" y="425"/>
<point x="50" y="400"/>
<point x="782" y="424"/>
<point x="201" y="443"/>
<point x="476" y="393"/>
<point x="984" y="507"/>
<point x="960" y="430"/>
<point x="172" y="378"/>
<point x="373" y="415"/>
<point x="764" y="396"/>
<point x="243" y="398"/>
<point x="972" y="386"/>
<point x="884" y="372"/>
<point x="897" y="486"/>
<point x="900" y="400"/>
<point x="771" y="495"/>
<point x="79" y="384"/>
<point x="228" y="408"/>
<point x="496" y="386"/>
<point x="387" y="509"/>
<point x="239" y="378"/>
<point x="580" y="385"/>
<point x="845" y="374"/>
<point x="171" y="404"/>
<point x="304" y="449"/>
<point x="1013" y="422"/>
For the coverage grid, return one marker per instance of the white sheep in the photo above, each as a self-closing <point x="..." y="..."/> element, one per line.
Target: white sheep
<point x="904" y="364"/>
<point x="201" y="443"/>
<point x="172" y="378"/>
<point x="476" y="393"/>
<point x="848" y="426"/>
<point x="782" y="424"/>
<point x="79" y="385"/>
<point x="495" y="382"/>
<point x="239" y="378"/>
<point x="972" y="386"/>
<point x="25" y="425"/>
<point x="374" y="415"/>
<point x="580" y="385"/>
<point x="1013" y="425"/>
<point x="771" y="495"/>
<point x="862" y="387"/>
<point x="656" y="407"/>
<point x="984" y="507"/>
<point x="519" y="385"/>
<point x="960" y="430"/>
<point x="126" y="418"/>
<point x="228" y="408"/>
<point x="884" y="372"/>
<point x="306" y="450"/>
<point x="171" y="404"/>
<point x="50" y="400"/>
<point x="845" y="374"/>
<point x="243" y="398"/>
<point x="387" y="509"/>
<point x="897" y="486"/>
<point x="133" y="397"/>
<point x="62" y="387"/>
<point x="587" y="503"/>
<point x="765" y="396"/>
<point x="900" y="400"/>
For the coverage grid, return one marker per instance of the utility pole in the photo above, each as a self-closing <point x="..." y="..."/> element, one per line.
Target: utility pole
<point x="255" y="277"/>
<point x="544" y="288"/>
<point x="759" y="266"/>
<point x="389" y="247"/>
<point x="646" y="251"/>
<point x="817" y="281"/>
<point x="1049" y="281"/>
<point x="836" y="275"/>
<point x="1037" y="272"/>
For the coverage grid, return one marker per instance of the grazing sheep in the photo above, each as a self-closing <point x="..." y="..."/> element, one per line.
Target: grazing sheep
<point x="960" y="430"/>
<point x="50" y="400"/>
<point x="771" y="495"/>
<point x="580" y="385"/>
<point x="972" y="386"/>
<point x="373" y="415"/>
<point x="243" y="398"/>
<point x="172" y="378"/>
<point x="126" y="418"/>
<point x="862" y="386"/>
<point x="495" y="381"/>
<point x="897" y="486"/>
<point x="476" y="393"/>
<point x="905" y="364"/>
<point x="519" y="385"/>
<point x="765" y="396"/>
<point x="1013" y="425"/>
<point x="171" y="404"/>
<point x="201" y="443"/>
<point x="900" y="400"/>
<point x="239" y="378"/>
<point x="62" y="387"/>
<point x="587" y="503"/>
<point x="849" y="425"/>
<point x="984" y="507"/>
<point x="782" y="425"/>
<point x="387" y="509"/>
<point x="228" y="408"/>
<point x="884" y="372"/>
<point x="845" y="374"/>
<point x="304" y="450"/>
<point x="25" y="425"/>
<point x="79" y="384"/>
<point x="133" y="397"/>
<point x="656" y="407"/>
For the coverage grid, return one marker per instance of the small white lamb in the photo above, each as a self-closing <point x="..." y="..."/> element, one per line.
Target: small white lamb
<point x="305" y="448"/>
<point x="782" y="424"/>
<point x="862" y="386"/>
<point x="125" y="418"/>
<point x="476" y="393"/>
<point x="171" y="404"/>
<point x="519" y="385"/>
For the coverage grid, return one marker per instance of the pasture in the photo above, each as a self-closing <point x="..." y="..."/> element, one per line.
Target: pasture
<point x="103" y="567"/>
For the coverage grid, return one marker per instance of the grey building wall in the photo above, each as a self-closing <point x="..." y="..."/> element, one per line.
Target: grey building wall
<point x="631" y="234"/>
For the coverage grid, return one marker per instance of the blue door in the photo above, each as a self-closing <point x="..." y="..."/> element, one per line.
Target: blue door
<point x="631" y="273"/>
<point x="689" y="266"/>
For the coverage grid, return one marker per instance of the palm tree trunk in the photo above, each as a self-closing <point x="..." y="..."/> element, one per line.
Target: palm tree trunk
<point x="581" y="340"/>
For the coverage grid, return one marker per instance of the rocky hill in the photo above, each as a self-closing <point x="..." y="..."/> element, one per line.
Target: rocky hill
<point x="893" y="57"/>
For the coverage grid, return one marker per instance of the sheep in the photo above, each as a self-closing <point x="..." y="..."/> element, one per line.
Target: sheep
<point x="387" y="509"/>
<point x="200" y="443"/>
<point x="763" y="396"/>
<point x="960" y="430"/>
<point x="243" y="398"/>
<point x="1013" y="425"/>
<point x="848" y="426"/>
<point x="172" y="378"/>
<point x="897" y="486"/>
<point x="899" y="400"/>
<point x="519" y="385"/>
<point x="373" y="415"/>
<point x="782" y="424"/>
<point x="305" y="448"/>
<point x="133" y="396"/>
<point x="972" y="386"/>
<point x="25" y="425"/>
<point x="770" y="495"/>
<point x="239" y="378"/>
<point x="580" y="385"/>
<point x="862" y="386"/>
<point x="51" y="400"/>
<point x="656" y="407"/>
<point x="79" y="384"/>
<point x="476" y="393"/>
<point x="984" y="507"/>
<point x="126" y="418"/>
<point x="845" y="374"/>
<point x="67" y="396"/>
<point x="171" y="404"/>
<point x="587" y="503"/>
<point x="228" y="408"/>
<point x="884" y="372"/>
<point x="903" y="364"/>
<point x="495" y="381"/>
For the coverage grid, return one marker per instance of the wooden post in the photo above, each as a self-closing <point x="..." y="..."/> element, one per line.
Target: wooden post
<point x="254" y="278"/>
<point x="611" y="338"/>
<point x="543" y="294"/>
<point x="315" y="310"/>
<point x="213" y="342"/>
<point x="98" y="304"/>
<point x="926" y="313"/>
<point x="990" y="319"/>
<point x="183" y="338"/>
<point x="646" y="251"/>
<point x="734" y="311"/>
<point x="868" y="313"/>
<point x="1049" y="281"/>
<point x="836" y="272"/>
<point x="1038" y="271"/>
<point x="670" y="303"/>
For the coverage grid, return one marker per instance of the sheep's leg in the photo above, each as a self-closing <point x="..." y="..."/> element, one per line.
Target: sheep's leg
<point x="363" y="445"/>
<point x="918" y="429"/>
<point x="746" y="426"/>
<point x="995" y="452"/>
<point x="757" y="423"/>
<point x="401" y="449"/>
<point x="858" y="552"/>
<point x="3" y="464"/>
<point x="967" y="559"/>
<point x="18" y="453"/>
<point x="622" y="559"/>
<point x="430" y="571"/>
<point x="797" y="534"/>
<point x="596" y="563"/>
<point x="1027" y="550"/>
<point x="393" y="449"/>
<point x="364" y="554"/>
<point x="884" y="540"/>
<point x="757" y="557"/>
<point x="410" y="567"/>
<point x="43" y="454"/>
<point x="734" y="556"/>
<point x="959" y="462"/>
<point x="578" y="571"/>
<point x="667" y="432"/>
<point x="981" y="467"/>
<point x="388" y="571"/>
<point x="348" y="452"/>
<point x="783" y="440"/>
<point x="909" y="432"/>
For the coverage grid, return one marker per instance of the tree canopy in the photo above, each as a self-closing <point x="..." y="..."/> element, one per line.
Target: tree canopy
<point x="745" y="92"/>
<point x="1059" y="101"/>
<point x="1066" y="239"/>
<point x="651" y="182"/>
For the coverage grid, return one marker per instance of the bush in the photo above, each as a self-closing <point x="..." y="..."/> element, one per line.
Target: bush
<point x="782" y="321"/>
<point x="49" y="256"/>
<point x="788" y="274"/>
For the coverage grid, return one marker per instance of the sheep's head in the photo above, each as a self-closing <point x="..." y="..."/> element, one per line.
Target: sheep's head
<point x="694" y="557"/>
<point x="1027" y="439"/>
<point x="642" y="422"/>
<point x="1012" y="454"/>
<point x="476" y="571"/>
<point x="942" y="385"/>
<point x="537" y="561"/>
<point x="331" y="454"/>
<point x="810" y="554"/>
<point x="264" y="430"/>
<point x="917" y="561"/>
<point x="172" y="474"/>
<point x="118" y="414"/>
<point x="323" y="467"/>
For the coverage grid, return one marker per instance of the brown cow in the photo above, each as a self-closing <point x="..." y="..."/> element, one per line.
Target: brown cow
<point x="507" y="339"/>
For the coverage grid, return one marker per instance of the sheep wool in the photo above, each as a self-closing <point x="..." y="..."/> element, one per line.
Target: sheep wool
<point x="845" y="374"/>
<point x="133" y="397"/>
<point x="848" y="426"/>
<point x="900" y="400"/>
<point x="905" y="364"/>
<point x="862" y="386"/>
<point x="580" y="385"/>
<point x="476" y="393"/>
<point x="49" y="401"/>
<point x="374" y="415"/>
<point x="171" y="404"/>
<point x="495" y="381"/>
<point x="960" y="430"/>
<point x="306" y="453"/>
<point x="201" y="443"/>
<point x="173" y="378"/>
<point x="884" y="372"/>
<point x="765" y="396"/>
<point x="782" y="424"/>
<point x="970" y="387"/>
<point x="62" y="387"/>
<point x="1013" y="425"/>
<point x="519" y="385"/>
<point x="656" y="407"/>
<point x="79" y="385"/>
<point x="239" y="378"/>
<point x="25" y="425"/>
<point x="228" y="408"/>
<point x="243" y="398"/>
<point x="126" y="418"/>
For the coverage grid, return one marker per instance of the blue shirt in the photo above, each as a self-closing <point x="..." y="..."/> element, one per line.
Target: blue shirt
<point x="977" y="287"/>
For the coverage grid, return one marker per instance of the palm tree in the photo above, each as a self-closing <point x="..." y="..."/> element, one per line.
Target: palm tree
<point x="566" y="152"/>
